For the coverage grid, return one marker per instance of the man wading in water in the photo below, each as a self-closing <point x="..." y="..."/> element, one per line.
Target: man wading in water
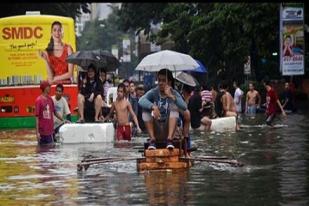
<point x="272" y="102"/>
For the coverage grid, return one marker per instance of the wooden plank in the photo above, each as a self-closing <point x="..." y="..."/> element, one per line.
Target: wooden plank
<point x="165" y="165"/>
<point x="162" y="152"/>
<point x="163" y="159"/>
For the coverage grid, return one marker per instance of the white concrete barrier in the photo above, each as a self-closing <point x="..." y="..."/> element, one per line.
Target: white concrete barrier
<point x="223" y="124"/>
<point x="87" y="133"/>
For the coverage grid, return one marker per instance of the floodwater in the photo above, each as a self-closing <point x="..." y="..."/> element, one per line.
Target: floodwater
<point x="276" y="170"/>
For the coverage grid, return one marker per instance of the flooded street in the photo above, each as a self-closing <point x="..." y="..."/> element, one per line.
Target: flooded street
<point x="276" y="170"/>
<point x="120" y="62"/>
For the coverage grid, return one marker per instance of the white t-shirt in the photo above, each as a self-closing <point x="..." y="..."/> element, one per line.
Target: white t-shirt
<point x="237" y="99"/>
<point x="106" y="86"/>
<point x="62" y="108"/>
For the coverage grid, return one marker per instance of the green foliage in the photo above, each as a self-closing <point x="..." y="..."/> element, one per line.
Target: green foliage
<point x="138" y="16"/>
<point x="221" y="35"/>
<point x="106" y="33"/>
<point x="101" y="34"/>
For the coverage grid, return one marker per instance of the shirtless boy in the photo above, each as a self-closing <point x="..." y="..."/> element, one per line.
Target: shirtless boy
<point x="252" y="98"/>
<point x="225" y="107"/>
<point x="228" y="104"/>
<point x="122" y="107"/>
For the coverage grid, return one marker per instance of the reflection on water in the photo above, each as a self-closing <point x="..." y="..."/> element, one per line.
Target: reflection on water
<point x="167" y="187"/>
<point x="275" y="172"/>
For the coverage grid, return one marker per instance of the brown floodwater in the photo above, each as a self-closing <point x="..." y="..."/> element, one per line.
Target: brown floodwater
<point x="276" y="170"/>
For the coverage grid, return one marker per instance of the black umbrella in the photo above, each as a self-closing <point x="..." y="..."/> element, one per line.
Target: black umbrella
<point x="109" y="61"/>
<point x="99" y="58"/>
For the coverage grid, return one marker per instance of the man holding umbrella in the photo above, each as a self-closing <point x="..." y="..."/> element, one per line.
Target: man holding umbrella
<point x="161" y="104"/>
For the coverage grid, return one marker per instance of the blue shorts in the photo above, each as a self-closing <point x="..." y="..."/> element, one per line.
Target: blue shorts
<point x="46" y="139"/>
<point x="251" y="110"/>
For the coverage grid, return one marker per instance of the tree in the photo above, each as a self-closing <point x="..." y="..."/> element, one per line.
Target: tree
<point x="103" y="34"/>
<point x="221" y="35"/>
<point x="139" y="16"/>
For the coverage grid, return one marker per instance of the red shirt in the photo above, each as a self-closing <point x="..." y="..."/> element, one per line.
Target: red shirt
<point x="59" y="64"/>
<point x="44" y="110"/>
<point x="271" y="102"/>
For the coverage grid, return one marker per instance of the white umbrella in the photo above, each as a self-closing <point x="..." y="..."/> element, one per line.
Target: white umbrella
<point x="174" y="61"/>
<point x="185" y="78"/>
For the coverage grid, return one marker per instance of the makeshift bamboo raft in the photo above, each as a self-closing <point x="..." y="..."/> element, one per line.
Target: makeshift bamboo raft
<point x="160" y="159"/>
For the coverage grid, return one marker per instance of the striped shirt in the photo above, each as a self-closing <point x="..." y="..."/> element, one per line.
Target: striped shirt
<point x="206" y="95"/>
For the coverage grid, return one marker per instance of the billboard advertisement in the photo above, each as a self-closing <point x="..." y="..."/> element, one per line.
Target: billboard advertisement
<point x="21" y="39"/>
<point x="292" y="41"/>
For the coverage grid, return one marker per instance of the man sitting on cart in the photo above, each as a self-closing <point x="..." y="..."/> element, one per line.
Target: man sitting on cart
<point x="161" y="105"/>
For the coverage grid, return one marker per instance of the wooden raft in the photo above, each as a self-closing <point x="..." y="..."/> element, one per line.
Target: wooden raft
<point x="159" y="159"/>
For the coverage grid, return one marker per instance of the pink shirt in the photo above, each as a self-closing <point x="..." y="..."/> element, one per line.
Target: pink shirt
<point x="44" y="110"/>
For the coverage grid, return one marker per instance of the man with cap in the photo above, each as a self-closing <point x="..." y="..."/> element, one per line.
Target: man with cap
<point x="44" y="110"/>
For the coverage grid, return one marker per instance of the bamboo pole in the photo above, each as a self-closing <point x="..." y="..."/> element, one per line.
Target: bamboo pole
<point x="86" y="163"/>
<point x="213" y="157"/>
<point x="225" y="161"/>
<point x="99" y="159"/>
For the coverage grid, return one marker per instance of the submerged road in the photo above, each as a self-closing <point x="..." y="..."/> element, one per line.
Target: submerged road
<point x="275" y="172"/>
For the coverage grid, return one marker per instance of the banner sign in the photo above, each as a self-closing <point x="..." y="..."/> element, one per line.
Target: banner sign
<point x="126" y="45"/>
<point x="21" y="40"/>
<point x="292" y="41"/>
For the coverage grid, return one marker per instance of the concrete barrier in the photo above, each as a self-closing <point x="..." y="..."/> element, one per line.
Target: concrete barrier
<point x="222" y="124"/>
<point x="87" y="133"/>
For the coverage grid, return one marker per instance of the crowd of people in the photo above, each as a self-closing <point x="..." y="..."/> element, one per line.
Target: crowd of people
<point x="93" y="86"/>
<point x="160" y="111"/>
<point x="206" y="105"/>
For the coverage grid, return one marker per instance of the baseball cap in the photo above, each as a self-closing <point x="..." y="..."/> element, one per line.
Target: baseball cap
<point x="44" y="84"/>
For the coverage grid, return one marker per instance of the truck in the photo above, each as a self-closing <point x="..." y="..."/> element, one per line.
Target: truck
<point x="22" y="69"/>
